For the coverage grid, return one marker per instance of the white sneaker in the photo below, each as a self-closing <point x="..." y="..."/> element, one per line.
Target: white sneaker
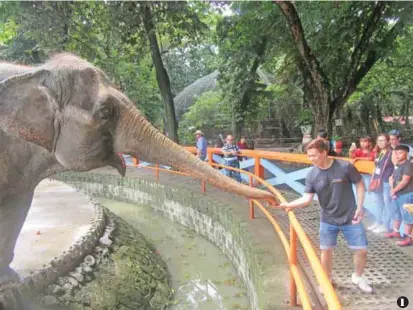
<point x="361" y="283"/>
<point x="373" y="227"/>
<point x="380" y="229"/>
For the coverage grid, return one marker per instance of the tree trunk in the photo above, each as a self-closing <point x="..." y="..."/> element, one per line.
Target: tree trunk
<point x="365" y="54"/>
<point x="161" y="74"/>
<point x="406" y="111"/>
<point x="249" y="86"/>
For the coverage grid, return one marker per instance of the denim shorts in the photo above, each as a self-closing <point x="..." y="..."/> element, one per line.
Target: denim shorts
<point x="401" y="212"/>
<point x="355" y="236"/>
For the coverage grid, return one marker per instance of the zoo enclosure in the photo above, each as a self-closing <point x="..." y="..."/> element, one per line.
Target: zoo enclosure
<point x="264" y="164"/>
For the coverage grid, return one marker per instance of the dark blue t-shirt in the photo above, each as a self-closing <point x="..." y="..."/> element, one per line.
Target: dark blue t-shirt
<point x="333" y="187"/>
<point x="383" y="167"/>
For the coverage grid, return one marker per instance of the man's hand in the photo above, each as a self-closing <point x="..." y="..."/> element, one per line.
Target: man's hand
<point x="358" y="216"/>
<point x="273" y="202"/>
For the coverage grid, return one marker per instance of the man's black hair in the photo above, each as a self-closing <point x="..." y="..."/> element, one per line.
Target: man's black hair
<point x="322" y="134"/>
<point x="402" y="147"/>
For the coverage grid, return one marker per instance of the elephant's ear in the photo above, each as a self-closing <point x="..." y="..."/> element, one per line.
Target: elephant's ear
<point x="27" y="108"/>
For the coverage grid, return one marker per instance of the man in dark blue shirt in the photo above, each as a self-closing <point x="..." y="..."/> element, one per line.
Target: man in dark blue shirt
<point x="332" y="181"/>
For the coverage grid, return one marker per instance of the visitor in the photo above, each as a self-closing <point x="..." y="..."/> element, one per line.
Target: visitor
<point x="242" y="145"/>
<point x="379" y="185"/>
<point x="401" y="191"/>
<point x="331" y="179"/>
<point x="365" y="152"/>
<point x="201" y="145"/>
<point x="395" y="140"/>
<point x="231" y="152"/>
<point x="322" y="134"/>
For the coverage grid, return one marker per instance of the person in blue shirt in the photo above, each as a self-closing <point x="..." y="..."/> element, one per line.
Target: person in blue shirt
<point x="395" y="140"/>
<point x="201" y="145"/>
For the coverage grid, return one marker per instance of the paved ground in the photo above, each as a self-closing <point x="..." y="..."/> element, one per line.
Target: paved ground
<point x="390" y="268"/>
<point x="58" y="217"/>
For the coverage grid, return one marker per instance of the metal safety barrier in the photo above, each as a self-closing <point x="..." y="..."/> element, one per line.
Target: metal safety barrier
<point x="297" y="233"/>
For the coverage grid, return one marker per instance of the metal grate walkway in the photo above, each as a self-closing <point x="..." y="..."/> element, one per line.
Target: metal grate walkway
<point x="389" y="267"/>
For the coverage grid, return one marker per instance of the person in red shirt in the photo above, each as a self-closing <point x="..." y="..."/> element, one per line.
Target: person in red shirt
<point x="365" y="151"/>
<point x="242" y="144"/>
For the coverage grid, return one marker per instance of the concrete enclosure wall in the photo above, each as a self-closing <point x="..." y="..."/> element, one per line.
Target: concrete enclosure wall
<point x="208" y="217"/>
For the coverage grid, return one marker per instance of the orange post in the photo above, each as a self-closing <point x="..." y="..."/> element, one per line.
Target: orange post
<point x="252" y="215"/>
<point x="135" y="161"/>
<point x="203" y="186"/>
<point x="210" y="152"/>
<point x="293" y="262"/>
<point x="258" y="169"/>
<point x="157" y="173"/>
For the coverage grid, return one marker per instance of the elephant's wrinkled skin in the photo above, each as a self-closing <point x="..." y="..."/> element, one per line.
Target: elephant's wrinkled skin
<point x="66" y="115"/>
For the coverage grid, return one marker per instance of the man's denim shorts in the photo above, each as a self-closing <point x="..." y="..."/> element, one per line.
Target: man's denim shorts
<point x="400" y="213"/>
<point x="355" y="236"/>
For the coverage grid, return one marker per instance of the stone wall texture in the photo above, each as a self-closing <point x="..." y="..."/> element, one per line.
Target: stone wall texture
<point x="15" y="296"/>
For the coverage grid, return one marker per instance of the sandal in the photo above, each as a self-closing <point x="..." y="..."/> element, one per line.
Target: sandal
<point x="405" y="242"/>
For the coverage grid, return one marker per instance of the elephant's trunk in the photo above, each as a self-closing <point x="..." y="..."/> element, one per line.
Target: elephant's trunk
<point x="137" y="137"/>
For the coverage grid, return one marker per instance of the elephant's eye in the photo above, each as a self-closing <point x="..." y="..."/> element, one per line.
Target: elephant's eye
<point x="105" y="113"/>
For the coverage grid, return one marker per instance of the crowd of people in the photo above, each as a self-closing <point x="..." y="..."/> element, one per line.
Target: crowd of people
<point x="391" y="182"/>
<point x="331" y="179"/>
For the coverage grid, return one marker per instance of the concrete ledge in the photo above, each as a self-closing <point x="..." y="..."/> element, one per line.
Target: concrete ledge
<point x="265" y="276"/>
<point x="13" y="296"/>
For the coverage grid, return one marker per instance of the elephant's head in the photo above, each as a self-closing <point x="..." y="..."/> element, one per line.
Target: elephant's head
<point x="71" y="108"/>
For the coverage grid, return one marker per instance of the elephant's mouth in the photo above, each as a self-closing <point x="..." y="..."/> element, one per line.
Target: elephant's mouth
<point x="117" y="161"/>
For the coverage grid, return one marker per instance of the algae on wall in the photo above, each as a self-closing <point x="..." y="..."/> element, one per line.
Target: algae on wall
<point x="131" y="276"/>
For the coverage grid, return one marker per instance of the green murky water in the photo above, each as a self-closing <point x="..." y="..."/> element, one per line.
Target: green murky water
<point x="202" y="277"/>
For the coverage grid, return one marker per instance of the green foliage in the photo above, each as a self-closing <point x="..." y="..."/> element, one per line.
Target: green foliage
<point x="207" y="113"/>
<point x="252" y="47"/>
<point x="243" y="40"/>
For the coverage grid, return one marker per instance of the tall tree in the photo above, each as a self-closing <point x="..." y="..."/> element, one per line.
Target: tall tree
<point x="161" y="75"/>
<point x="332" y="70"/>
<point x="243" y="40"/>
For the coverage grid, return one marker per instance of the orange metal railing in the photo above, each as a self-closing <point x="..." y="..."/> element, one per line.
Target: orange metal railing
<point x="297" y="233"/>
<point x="363" y="166"/>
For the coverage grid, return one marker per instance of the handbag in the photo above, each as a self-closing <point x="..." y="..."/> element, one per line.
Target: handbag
<point x="375" y="184"/>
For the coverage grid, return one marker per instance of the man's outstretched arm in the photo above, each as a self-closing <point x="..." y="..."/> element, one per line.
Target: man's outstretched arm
<point x="304" y="201"/>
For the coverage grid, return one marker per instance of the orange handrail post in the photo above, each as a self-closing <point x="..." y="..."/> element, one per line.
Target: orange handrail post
<point x="210" y="153"/>
<point x="331" y="297"/>
<point x="258" y="170"/>
<point x="252" y="215"/>
<point x="157" y="173"/>
<point x="293" y="261"/>
<point x="203" y="186"/>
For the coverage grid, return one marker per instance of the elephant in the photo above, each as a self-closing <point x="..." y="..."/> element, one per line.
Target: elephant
<point x="66" y="115"/>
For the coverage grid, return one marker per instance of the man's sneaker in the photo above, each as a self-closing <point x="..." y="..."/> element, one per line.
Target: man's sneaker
<point x="405" y="242"/>
<point x="380" y="229"/>
<point x="361" y="283"/>
<point x="393" y="234"/>
<point x="373" y="227"/>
